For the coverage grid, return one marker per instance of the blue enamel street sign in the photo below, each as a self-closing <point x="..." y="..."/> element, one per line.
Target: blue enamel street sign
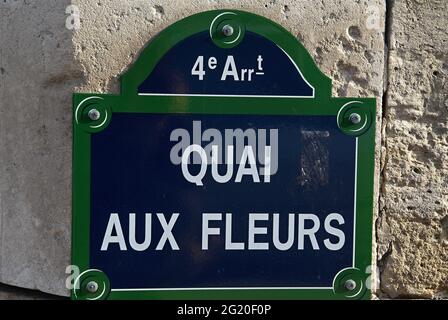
<point x="223" y="170"/>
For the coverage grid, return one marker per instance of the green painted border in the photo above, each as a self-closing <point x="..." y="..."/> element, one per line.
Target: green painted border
<point x="129" y="101"/>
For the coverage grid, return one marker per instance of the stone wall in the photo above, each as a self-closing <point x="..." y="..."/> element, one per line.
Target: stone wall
<point x="413" y="221"/>
<point x="38" y="75"/>
<point x="43" y="60"/>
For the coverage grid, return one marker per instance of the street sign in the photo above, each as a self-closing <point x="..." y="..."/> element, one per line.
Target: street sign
<point x="224" y="169"/>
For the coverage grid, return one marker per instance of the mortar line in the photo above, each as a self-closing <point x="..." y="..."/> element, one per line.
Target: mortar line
<point x="389" y="4"/>
<point x="3" y="31"/>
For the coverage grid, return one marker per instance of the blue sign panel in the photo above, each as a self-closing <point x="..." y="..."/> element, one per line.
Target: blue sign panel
<point x="156" y="225"/>
<point x="256" y="67"/>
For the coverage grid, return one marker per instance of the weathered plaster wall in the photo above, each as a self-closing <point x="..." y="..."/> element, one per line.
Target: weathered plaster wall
<point x="42" y="63"/>
<point x="413" y="224"/>
<point x="38" y="74"/>
<point x="16" y="293"/>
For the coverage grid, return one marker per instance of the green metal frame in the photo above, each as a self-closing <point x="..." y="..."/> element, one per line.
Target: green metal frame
<point x="129" y="101"/>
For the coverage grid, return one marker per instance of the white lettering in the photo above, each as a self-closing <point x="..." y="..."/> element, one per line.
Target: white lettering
<point x="311" y="233"/>
<point x="230" y="69"/>
<point x="132" y="238"/>
<point x="167" y="231"/>
<point x="253" y="230"/>
<point x="206" y="230"/>
<point x="334" y="231"/>
<point x="114" y="223"/>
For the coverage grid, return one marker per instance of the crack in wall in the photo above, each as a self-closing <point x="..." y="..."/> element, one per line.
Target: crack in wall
<point x="382" y="258"/>
<point x="2" y="86"/>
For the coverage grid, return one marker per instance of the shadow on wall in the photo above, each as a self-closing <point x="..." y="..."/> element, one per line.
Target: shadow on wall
<point x="38" y="76"/>
<point x="15" y="293"/>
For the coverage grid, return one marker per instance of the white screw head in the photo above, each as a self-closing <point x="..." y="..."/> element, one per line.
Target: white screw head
<point x="355" y="118"/>
<point x="227" y="30"/>
<point x="350" y="285"/>
<point x="92" y="286"/>
<point x="94" y="114"/>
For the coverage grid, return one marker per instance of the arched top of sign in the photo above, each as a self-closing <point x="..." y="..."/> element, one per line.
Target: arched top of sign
<point x="226" y="53"/>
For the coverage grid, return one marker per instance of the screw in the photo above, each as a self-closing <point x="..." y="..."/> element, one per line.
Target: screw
<point x="355" y="118"/>
<point x="227" y="30"/>
<point x="92" y="286"/>
<point x="94" y="114"/>
<point x="350" y="285"/>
